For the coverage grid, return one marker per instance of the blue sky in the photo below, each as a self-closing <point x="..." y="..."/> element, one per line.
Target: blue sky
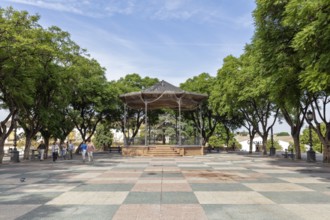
<point x="172" y="40"/>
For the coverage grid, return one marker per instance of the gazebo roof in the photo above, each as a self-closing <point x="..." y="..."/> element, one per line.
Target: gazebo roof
<point x="163" y="95"/>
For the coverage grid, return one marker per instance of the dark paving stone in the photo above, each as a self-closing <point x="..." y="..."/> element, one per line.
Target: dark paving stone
<point x="81" y="212"/>
<point x="27" y="198"/>
<point x="104" y="187"/>
<point x="143" y="198"/>
<point x="295" y="175"/>
<point x="5" y="187"/>
<point x="179" y="198"/>
<point x="263" y="180"/>
<point x="297" y="197"/>
<point x="60" y="181"/>
<point x="248" y="212"/>
<point x="218" y="187"/>
<point x="151" y="174"/>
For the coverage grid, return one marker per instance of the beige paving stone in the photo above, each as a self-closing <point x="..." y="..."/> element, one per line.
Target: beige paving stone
<point x="92" y="168"/>
<point x="193" y="165"/>
<point x="177" y="187"/>
<point x="219" y="163"/>
<point x="173" y="181"/>
<point x="232" y="198"/>
<point x="147" y="187"/>
<point x="88" y="175"/>
<point x="276" y="187"/>
<point x="273" y="171"/>
<point x="163" y="212"/>
<point x="111" y="180"/>
<point x="309" y="211"/>
<point x="120" y="175"/>
<point x="302" y="180"/>
<point x="229" y="168"/>
<point x="164" y="169"/>
<point x="184" y="211"/>
<point x="88" y="198"/>
<point x="44" y="188"/>
<point x="140" y="212"/>
<point x="206" y="180"/>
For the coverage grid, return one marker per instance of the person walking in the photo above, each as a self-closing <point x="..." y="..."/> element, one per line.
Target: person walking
<point x="41" y="148"/>
<point x="55" y="149"/>
<point x="70" y="149"/>
<point x="83" y="148"/>
<point x="90" y="150"/>
<point x="63" y="148"/>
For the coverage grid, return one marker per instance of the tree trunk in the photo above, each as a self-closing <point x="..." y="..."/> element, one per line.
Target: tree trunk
<point x="251" y="143"/>
<point x="325" y="140"/>
<point x="46" y="139"/>
<point x="2" y="152"/>
<point x="27" y="147"/>
<point x="326" y="154"/>
<point x="264" y="143"/>
<point x="296" y="142"/>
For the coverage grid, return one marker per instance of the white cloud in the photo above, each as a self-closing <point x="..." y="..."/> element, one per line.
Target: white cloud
<point x="199" y="11"/>
<point x="58" y="5"/>
<point x="98" y="8"/>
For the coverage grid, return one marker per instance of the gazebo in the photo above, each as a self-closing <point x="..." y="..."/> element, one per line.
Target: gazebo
<point x="162" y="95"/>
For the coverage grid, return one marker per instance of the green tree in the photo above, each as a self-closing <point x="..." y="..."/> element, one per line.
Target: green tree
<point x="17" y="45"/>
<point x="205" y="119"/>
<point x="92" y="98"/>
<point x="128" y="118"/>
<point x="280" y="63"/>
<point x="305" y="139"/>
<point x="103" y="136"/>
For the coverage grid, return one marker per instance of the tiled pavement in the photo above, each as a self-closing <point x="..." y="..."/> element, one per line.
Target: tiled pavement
<point x="214" y="186"/>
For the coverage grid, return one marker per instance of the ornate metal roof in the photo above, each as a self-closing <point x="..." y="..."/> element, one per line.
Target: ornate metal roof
<point x="163" y="95"/>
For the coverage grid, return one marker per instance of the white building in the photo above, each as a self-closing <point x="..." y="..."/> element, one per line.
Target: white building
<point x="284" y="142"/>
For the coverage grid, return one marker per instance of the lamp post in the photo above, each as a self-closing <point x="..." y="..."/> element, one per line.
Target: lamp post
<point x="272" y="150"/>
<point x="310" y="153"/>
<point x="15" y="153"/>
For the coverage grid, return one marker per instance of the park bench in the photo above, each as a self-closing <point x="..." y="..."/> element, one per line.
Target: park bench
<point x="34" y="155"/>
<point x="113" y="148"/>
<point x="288" y="155"/>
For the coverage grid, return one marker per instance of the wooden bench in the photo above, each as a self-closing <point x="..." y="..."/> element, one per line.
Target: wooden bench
<point x="118" y="149"/>
<point x="34" y="155"/>
<point x="287" y="155"/>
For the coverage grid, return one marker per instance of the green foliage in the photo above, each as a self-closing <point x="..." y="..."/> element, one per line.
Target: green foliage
<point x="305" y="139"/>
<point x="311" y="20"/>
<point x="103" y="136"/>
<point x="283" y="134"/>
<point x="275" y="144"/>
<point x="216" y="141"/>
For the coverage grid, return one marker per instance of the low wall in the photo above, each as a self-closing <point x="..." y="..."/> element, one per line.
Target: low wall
<point x="140" y="150"/>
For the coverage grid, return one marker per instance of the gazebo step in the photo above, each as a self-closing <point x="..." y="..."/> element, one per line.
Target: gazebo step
<point x="162" y="151"/>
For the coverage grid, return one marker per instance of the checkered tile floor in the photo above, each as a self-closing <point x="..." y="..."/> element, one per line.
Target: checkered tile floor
<point x="214" y="186"/>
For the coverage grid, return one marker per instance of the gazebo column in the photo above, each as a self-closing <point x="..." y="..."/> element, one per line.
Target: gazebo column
<point x="146" y="123"/>
<point x="125" y="122"/>
<point x="200" y="125"/>
<point x="179" y="123"/>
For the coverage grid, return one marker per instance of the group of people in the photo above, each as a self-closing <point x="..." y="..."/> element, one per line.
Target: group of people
<point x="89" y="149"/>
<point x="61" y="150"/>
<point x="64" y="149"/>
